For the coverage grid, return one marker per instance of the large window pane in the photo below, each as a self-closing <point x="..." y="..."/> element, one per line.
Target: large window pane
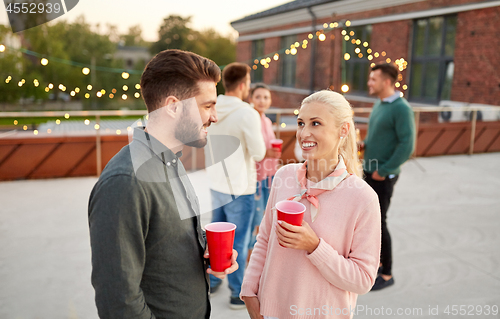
<point x="288" y="63"/>
<point x="356" y="67"/>
<point x="420" y="29"/>
<point x="435" y="36"/>
<point x="356" y="77"/>
<point x="258" y="53"/>
<point x="451" y="30"/>
<point x="431" y="81"/>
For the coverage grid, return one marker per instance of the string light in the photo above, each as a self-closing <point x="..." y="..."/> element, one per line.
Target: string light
<point x="137" y="95"/>
<point x="283" y="125"/>
<point x="72" y="93"/>
<point x="125" y="75"/>
<point x="124" y="97"/>
<point x="405" y="87"/>
<point x="77" y="90"/>
<point x="89" y="87"/>
<point x="58" y="121"/>
<point x="125" y="88"/>
<point x="137" y="86"/>
<point x="348" y="23"/>
<point x="118" y="132"/>
<point x="87" y="96"/>
<point x="66" y="116"/>
<point x="347" y="56"/>
<point x="44" y="61"/>
<point x="345" y="88"/>
<point x="276" y="57"/>
<point x="296" y="112"/>
<point x="99" y="94"/>
<point x="15" y="122"/>
<point x="310" y="36"/>
<point x="111" y="95"/>
<point x="322" y="37"/>
<point x="87" y="122"/>
<point x="25" y="127"/>
<point x="85" y="71"/>
<point x="35" y="132"/>
<point x="96" y="127"/>
<point x="2" y="48"/>
<point x="293" y="51"/>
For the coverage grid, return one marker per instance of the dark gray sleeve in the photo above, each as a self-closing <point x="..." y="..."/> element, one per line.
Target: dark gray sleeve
<point x="118" y="221"/>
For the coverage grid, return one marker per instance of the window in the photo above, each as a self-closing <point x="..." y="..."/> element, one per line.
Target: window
<point x="257" y="54"/>
<point x="432" y="59"/>
<point x="288" y="63"/>
<point x="357" y="67"/>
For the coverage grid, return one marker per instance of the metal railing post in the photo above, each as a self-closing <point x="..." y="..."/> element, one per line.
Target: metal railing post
<point x="473" y="132"/>
<point x="98" y="146"/>
<point x="278" y="121"/>
<point x="417" y="122"/>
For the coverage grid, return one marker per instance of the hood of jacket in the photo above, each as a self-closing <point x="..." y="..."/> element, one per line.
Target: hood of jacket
<point x="227" y="105"/>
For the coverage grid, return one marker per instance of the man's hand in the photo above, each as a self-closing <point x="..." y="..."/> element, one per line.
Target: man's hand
<point x="230" y="270"/>
<point x="273" y="153"/>
<point x="377" y="177"/>
<point x="297" y="237"/>
<point x="253" y="307"/>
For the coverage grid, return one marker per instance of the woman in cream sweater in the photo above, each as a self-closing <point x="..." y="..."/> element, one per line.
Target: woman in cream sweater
<point x="325" y="263"/>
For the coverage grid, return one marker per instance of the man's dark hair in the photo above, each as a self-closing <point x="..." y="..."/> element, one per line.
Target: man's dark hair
<point x="233" y="74"/>
<point x="175" y="73"/>
<point x="259" y="86"/>
<point x="389" y="70"/>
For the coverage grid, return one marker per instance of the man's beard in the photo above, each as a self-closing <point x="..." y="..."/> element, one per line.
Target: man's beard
<point x="189" y="133"/>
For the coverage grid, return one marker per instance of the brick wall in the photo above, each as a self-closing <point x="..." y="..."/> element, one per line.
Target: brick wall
<point x="476" y="78"/>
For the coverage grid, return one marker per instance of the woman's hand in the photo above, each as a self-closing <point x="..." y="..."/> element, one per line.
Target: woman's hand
<point x="297" y="237"/>
<point x="273" y="153"/>
<point x="253" y="307"/>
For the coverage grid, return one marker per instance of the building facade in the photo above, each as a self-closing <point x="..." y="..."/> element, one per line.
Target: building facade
<point x="446" y="49"/>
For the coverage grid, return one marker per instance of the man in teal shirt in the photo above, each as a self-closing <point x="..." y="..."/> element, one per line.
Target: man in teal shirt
<point x="389" y="143"/>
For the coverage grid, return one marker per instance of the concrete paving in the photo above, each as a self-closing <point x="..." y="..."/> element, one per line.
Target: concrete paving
<point x="444" y="221"/>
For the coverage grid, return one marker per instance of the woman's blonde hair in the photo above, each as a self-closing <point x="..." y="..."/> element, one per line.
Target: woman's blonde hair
<point x="343" y="113"/>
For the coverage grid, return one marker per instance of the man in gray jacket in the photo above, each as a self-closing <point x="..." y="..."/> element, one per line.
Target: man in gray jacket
<point x="148" y="248"/>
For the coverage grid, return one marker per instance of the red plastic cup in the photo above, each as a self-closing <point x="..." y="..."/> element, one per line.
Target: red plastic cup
<point x="291" y="212"/>
<point x="277" y="143"/>
<point x="220" y="238"/>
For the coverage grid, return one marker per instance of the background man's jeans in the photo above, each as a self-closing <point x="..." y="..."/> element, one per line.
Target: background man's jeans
<point x="239" y="212"/>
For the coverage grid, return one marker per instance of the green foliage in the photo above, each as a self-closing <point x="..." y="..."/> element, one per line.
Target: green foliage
<point x="175" y="33"/>
<point x="70" y="46"/>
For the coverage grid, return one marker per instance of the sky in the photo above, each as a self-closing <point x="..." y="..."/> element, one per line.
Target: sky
<point x="149" y="14"/>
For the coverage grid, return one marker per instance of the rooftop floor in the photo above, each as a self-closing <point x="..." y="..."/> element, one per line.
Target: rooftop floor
<point x="444" y="220"/>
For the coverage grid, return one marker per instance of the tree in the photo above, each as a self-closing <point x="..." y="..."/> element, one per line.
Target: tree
<point x="133" y="38"/>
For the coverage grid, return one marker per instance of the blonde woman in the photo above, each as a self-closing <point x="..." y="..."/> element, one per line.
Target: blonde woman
<point x="321" y="266"/>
